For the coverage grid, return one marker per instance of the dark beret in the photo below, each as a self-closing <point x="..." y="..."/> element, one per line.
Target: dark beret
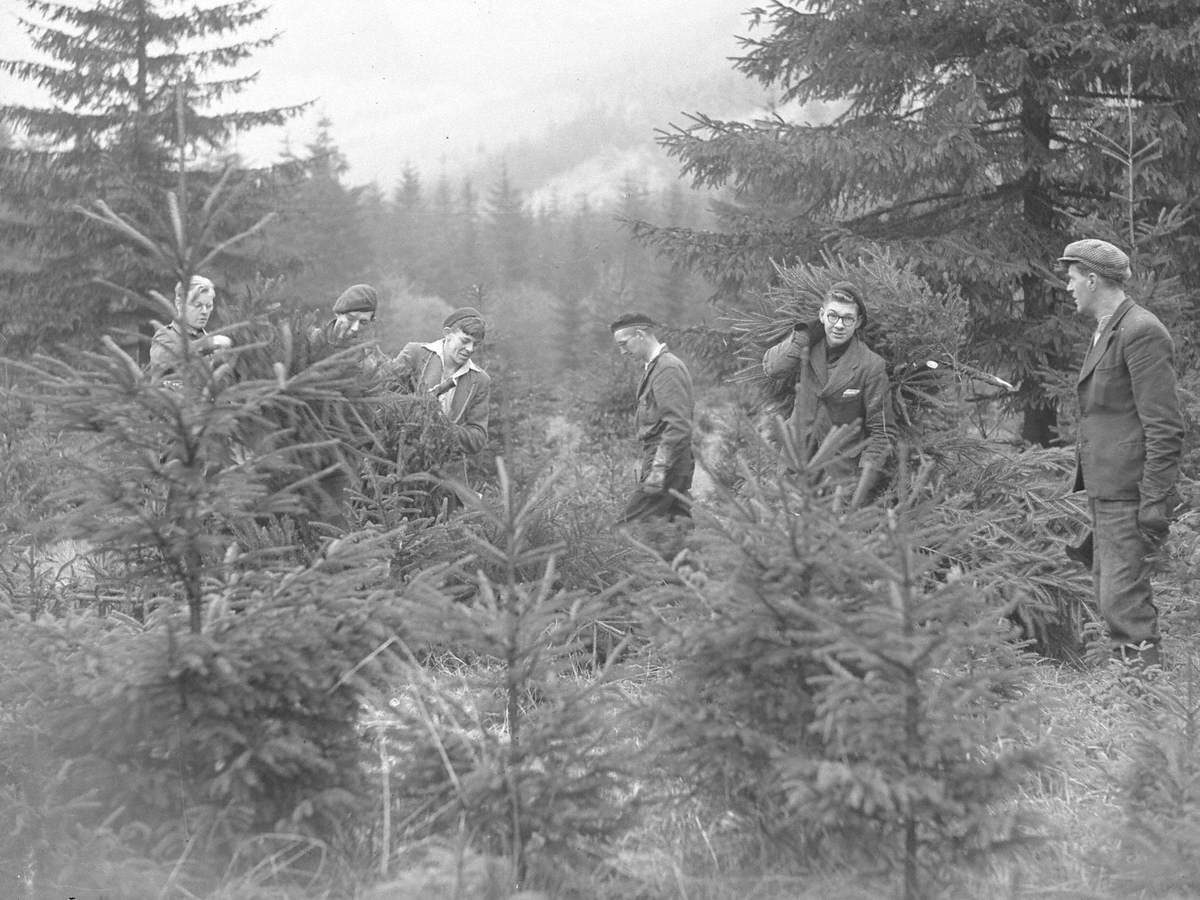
<point x="632" y="320"/>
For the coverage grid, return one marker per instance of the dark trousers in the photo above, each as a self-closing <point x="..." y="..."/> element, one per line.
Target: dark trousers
<point x="1121" y="572"/>
<point x="666" y="505"/>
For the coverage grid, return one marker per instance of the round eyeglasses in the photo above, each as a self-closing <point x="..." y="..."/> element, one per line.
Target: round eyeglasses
<point x="849" y="320"/>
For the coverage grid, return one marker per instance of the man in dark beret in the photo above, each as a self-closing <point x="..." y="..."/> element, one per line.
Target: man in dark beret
<point x="444" y="369"/>
<point x="839" y="381"/>
<point x="663" y="421"/>
<point x="353" y="314"/>
<point x="1129" y="443"/>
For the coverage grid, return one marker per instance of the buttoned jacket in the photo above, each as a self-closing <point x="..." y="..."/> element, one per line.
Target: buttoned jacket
<point x="665" y="407"/>
<point x="167" y="347"/>
<point x="1130" y="420"/>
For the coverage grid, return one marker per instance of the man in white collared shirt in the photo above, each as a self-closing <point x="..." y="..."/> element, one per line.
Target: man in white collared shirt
<point x="444" y="368"/>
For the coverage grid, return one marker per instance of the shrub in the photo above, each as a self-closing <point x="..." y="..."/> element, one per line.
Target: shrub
<point x="508" y="750"/>
<point x="186" y="745"/>
<point x="846" y="686"/>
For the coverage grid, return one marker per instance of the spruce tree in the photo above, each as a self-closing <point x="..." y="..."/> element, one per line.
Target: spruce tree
<point x="508" y="231"/>
<point x="125" y="78"/>
<point x="406" y="254"/>
<point x="972" y="136"/>
<point x="472" y="268"/>
<point x="576" y="286"/>
<point x="442" y="263"/>
<point x="321" y="237"/>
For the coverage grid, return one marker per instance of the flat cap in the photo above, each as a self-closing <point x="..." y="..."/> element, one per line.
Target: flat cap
<point x="357" y="298"/>
<point x="1100" y="256"/>
<point x="632" y="320"/>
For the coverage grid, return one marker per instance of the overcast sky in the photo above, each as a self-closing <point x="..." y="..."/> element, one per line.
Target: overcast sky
<point x="427" y="82"/>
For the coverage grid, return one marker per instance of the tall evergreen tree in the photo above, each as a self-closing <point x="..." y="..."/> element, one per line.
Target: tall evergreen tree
<point x="631" y="275"/>
<point x="321" y="237"/>
<point x="575" y="286"/>
<point x="442" y="262"/>
<point x="406" y="255"/>
<point x="508" y="231"/>
<point x="126" y="88"/>
<point x="974" y="136"/>
<point x="673" y="287"/>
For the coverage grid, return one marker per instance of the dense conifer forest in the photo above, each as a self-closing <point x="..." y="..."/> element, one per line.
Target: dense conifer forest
<point x="210" y="687"/>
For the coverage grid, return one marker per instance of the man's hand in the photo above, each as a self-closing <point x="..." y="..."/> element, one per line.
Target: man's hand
<point x="1152" y="521"/>
<point x="655" y="482"/>
<point x="807" y="333"/>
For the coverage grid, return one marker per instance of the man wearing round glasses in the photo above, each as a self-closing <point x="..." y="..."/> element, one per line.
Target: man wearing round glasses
<point x="840" y="381"/>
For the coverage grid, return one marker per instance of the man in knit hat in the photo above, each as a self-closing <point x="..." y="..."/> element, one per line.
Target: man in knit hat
<point x="839" y="381"/>
<point x="353" y="314"/>
<point x="1129" y="442"/>
<point x="444" y="370"/>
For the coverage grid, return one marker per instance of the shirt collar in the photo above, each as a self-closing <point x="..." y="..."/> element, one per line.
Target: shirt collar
<point x="657" y="353"/>
<point x="468" y="366"/>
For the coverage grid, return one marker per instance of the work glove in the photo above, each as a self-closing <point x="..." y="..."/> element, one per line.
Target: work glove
<point x="1152" y="521"/>
<point x="808" y="333"/>
<point x="655" y="482"/>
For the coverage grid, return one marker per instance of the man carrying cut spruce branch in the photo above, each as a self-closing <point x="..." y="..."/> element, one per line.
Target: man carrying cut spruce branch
<point x="839" y="381"/>
<point x="444" y="369"/>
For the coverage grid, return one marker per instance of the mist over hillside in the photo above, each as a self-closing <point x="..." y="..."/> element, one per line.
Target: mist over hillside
<point x="613" y="140"/>
<point x="606" y="132"/>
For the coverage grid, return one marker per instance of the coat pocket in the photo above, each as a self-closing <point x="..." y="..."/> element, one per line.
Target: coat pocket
<point x="846" y="407"/>
<point x="1111" y="387"/>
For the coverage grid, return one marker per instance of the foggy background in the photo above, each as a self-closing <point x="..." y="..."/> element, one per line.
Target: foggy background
<point x="569" y="93"/>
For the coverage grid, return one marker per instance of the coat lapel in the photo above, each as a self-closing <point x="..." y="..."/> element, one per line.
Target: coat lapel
<point x="844" y="373"/>
<point x="1096" y="352"/>
<point x="646" y="375"/>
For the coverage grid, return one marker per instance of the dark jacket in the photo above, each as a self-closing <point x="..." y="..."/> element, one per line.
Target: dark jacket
<point x="665" y="408"/>
<point x="1130" y="421"/>
<point x="854" y="390"/>
<point x="167" y="347"/>
<point x="418" y="367"/>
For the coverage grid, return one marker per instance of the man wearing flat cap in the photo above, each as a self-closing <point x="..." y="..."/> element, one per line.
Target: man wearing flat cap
<point x="1129" y="443"/>
<point x="663" y="422"/>
<point x="445" y="370"/>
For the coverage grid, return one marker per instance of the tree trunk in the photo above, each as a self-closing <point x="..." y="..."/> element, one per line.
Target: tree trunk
<point x="1040" y="415"/>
